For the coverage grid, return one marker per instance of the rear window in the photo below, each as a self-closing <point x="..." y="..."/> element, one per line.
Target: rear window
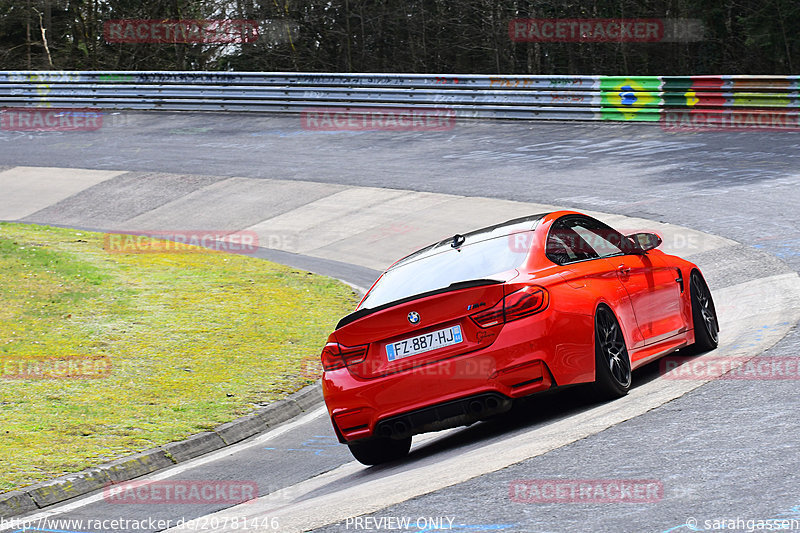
<point x="437" y="270"/>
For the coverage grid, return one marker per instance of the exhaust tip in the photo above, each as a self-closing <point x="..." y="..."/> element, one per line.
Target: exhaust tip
<point x="476" y="407"/>
<point x="386" y="430"/>
<point x="400" y="427"/>
<point x="492" y="402"/>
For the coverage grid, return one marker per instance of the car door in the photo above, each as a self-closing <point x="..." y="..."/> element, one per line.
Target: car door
<point x="651" y="285"/>
<point x="584" y="269"/>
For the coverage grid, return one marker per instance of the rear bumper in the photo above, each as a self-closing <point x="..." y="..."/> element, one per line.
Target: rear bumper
<point x="518" y="363"/>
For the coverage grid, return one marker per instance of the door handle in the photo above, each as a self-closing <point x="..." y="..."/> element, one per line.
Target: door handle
<point x="624" y="270"/>
<point x="679" y="280"/>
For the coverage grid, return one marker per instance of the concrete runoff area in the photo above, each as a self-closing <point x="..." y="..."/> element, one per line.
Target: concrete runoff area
<point x="362" y="226"/>
<point x="232" y="204"/>
<point x="26" y="190"/>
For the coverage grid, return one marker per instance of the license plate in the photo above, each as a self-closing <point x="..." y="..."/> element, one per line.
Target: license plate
<point x="424" y="343"/>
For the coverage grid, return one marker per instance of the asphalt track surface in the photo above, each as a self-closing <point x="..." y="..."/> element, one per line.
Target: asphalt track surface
<point x="725" y="450"/>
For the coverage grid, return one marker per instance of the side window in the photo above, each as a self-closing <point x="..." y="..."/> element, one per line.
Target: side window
<point x="605" y="241"/>
<point x="565" y="245"/>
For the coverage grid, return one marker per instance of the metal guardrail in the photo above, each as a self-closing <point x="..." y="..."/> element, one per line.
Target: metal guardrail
<point x="634" y="98"/>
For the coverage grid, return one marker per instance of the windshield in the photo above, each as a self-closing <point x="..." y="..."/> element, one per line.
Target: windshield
<point x="437" y="270"/>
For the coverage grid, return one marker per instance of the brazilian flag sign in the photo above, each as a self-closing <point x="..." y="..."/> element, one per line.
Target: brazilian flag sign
<point x="631" y="98"/>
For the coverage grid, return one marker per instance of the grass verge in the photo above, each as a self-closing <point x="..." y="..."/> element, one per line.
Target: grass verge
<point x="193" y="340"/>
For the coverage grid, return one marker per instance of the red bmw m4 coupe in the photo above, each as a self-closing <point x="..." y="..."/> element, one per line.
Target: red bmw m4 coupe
<point x="452" y="333"/>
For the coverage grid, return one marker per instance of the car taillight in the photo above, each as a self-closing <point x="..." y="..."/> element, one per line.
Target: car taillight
<point x="336" y="356"/>
<point x="490" y="317"/>
<point x="525" y="302"/>
<point x="518" y="304"/>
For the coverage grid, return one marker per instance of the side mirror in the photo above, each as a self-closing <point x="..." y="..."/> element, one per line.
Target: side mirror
<point x="645" y="241"/>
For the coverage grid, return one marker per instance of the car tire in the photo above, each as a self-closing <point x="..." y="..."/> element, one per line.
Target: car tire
<point x="704" y="315"/>
<point x="379" y="450"/>
<point x="612" y="363"/>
